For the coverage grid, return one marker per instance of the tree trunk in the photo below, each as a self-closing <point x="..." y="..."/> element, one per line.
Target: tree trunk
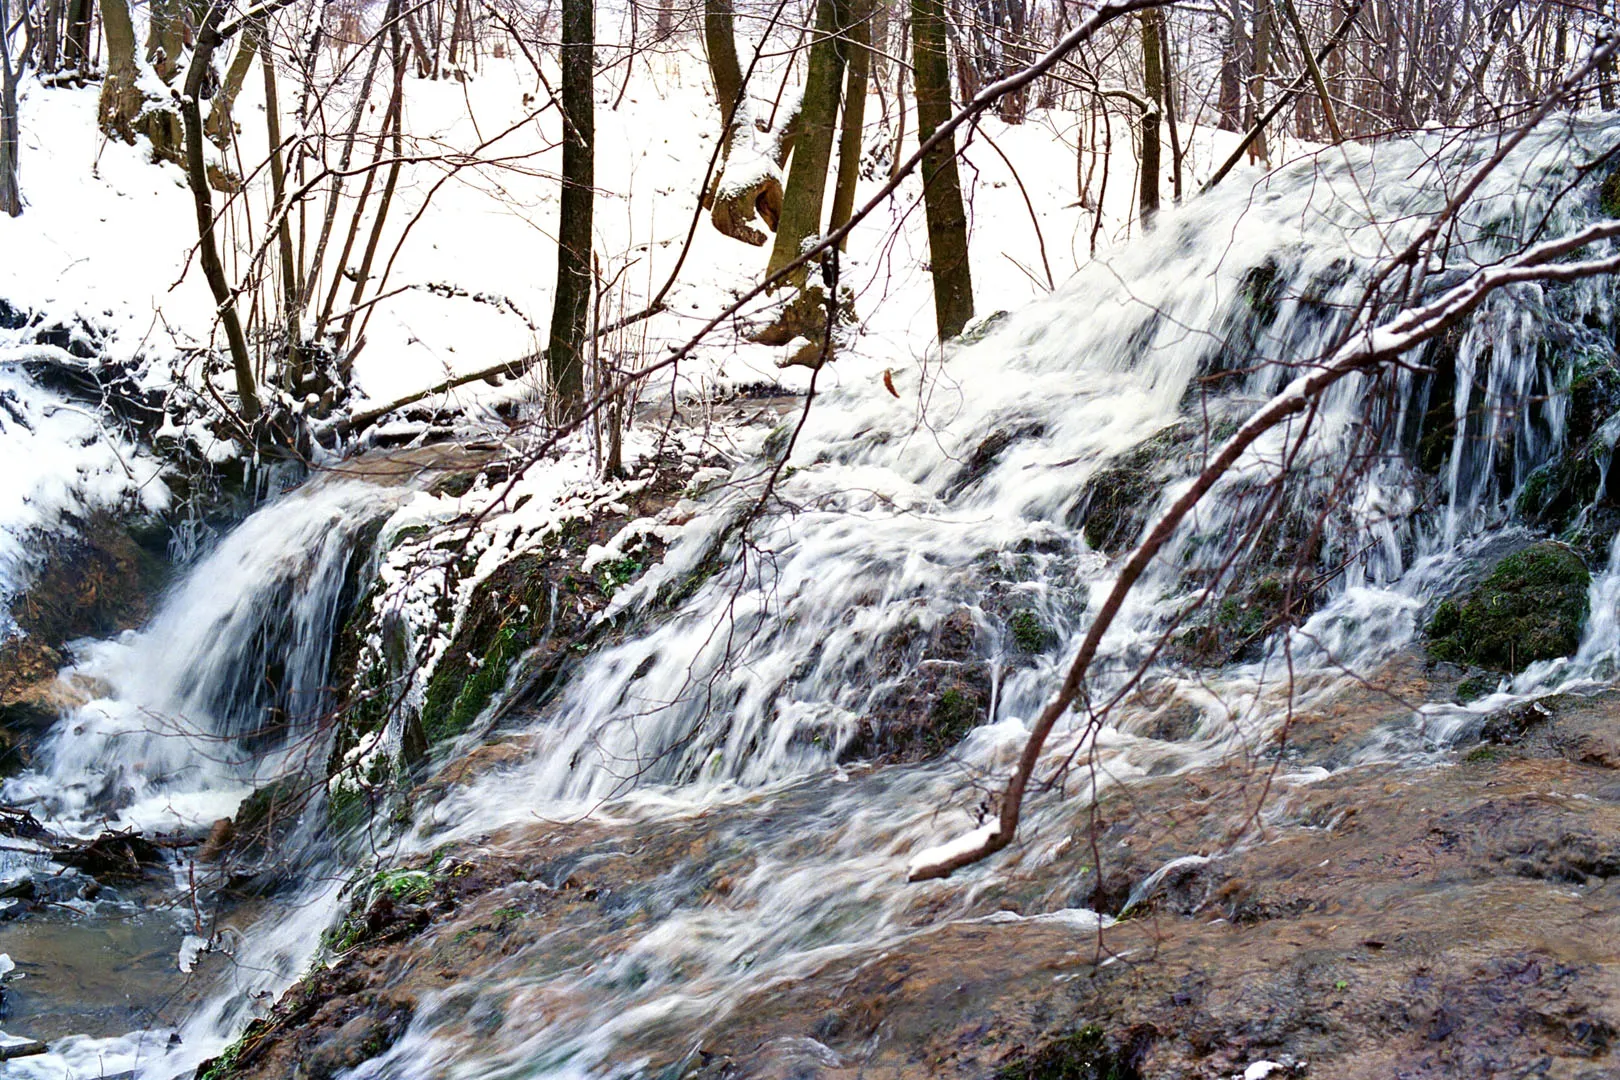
<point x="1170" y="108"/>
<point x="165" y="37"/>
<point x="290" y="305"/>
<point x="219" y="127"/>
<point x="208" y="40"/>
<point x="720" y="39"/>
<point x="942" y="190"/>
<point x="1153" y="78"/>
<point x="76" y="44"/>
<point x="121" y="100"/>
<point x="851" y="137"/>
<point x="720" y="43"/>
<point x="1257" y="77"/>
<point x="806" y="191"/>
<point x="565" y="361"/>
<point x="1230" y="102"/>
<point x="10" y="141"/>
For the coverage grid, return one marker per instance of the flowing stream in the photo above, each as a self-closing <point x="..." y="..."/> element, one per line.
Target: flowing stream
<point x="965" y="495"/>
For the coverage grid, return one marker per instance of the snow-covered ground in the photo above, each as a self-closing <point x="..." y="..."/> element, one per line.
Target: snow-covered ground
<point x="107" y="239"/>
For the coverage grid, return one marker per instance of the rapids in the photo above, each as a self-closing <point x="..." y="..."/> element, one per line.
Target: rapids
<point x="728" y="714"/>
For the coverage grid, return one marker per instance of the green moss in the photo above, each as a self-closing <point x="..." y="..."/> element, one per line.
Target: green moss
<point x="228" y="1063"/>
<point x="1485" y="755"/>
<point x="1085" y="1054"/>
<point x="1609" y="194"/>
<point x="979" y="329"/>
<point x="1475" y="687"/>
<point x="404" y="886"/>
<point x="1261" y="290"/>
<point x="614" y="574"/>
<point x="1030" y="634"/>
<point x="454" y="698"/>
<point x="1115" y="501"/>
<point x="455" y="485"/>
<point x="1531" y="607"/>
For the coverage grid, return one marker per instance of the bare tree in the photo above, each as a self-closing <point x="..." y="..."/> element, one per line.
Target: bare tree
<point x="565" y="359"/>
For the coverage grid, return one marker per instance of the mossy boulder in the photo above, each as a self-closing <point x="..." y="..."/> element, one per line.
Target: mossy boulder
<point x="932" y="690"/>
<point x="509" y="612"/>
<point x="1116" y="500"/>
<point x="1609" y="194"/>
<point x="91" y="582"/>
<point x="1234" y="627"/>
<point x="1568" y="493"/>
<point x="1530" y="607"/>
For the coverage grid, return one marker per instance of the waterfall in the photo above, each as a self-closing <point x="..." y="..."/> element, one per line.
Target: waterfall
<point x="205" y="701"/>
<point x="964" y="496"/>
<point x="957" y="507"/>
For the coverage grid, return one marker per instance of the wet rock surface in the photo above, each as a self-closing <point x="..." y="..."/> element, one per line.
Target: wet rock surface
<point x="1531" y="606"/>
<point x="96" y="581"/>
<point x="1361" y="920"/>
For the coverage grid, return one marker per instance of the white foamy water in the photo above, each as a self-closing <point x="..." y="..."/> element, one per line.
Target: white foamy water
<point x="962" y="496"/>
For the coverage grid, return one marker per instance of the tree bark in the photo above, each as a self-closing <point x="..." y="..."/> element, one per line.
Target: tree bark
<point x="10" y="136"/>
<point x="942" y="190"/>
<point x="121" y="99"/>
<point x="1233" y="48"/>
<point x="290" y="305"/>
<point x="851" y="137"/>
<point x="220" y="127"/>
<point x="165" y="37"/>
<point x="806" y="191"/>
<point x="1257" y="79"/>
<point x="208" y="40"/>
<point x="565" y="359"/>
<point x="720" y="40"/>
<point x="76" y="44"/>
<point x="1152" y="25"/>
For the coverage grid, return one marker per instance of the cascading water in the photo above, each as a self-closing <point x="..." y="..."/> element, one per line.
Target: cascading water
<point x="204" y="702"/>
<point x="220" y="693"/>
<point x="905" y="514"/>
<point x="905" y="520"/>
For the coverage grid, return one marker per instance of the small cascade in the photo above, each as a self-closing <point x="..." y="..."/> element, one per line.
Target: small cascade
<point x="208" y="699"/>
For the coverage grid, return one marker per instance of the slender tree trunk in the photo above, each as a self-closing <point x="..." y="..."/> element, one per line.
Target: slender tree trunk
<point x="208" y="40"/>
<point x="1315" y="69"/>
<point x="1153" y="76"/>
<point x="290" y="305"/>
<point x="720" y="39"/>
<point x="806" y="191"/>
<point x="565" y="360"/>
<point x="10" y="141"/>
<point x="1258" y="148"/>
<point x="121" y="99"/>
<point x="1606" y="68"/>
<point x="851" y="137"/>
<point x="392" y="124"/>
<point x="942" y="190"/>
<point x="165" y="37"/>
<point x="220" y="127"/>
<point x="1170" y="108"/>
<point x="50" y="56"/>
<point x="76" y="43"/>
<point x="1233" y="48"/>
